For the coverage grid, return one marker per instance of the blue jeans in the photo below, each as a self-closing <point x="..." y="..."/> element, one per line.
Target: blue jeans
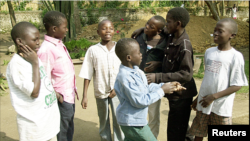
<point x="103" y="113"/>
<point x="67" y="111"/>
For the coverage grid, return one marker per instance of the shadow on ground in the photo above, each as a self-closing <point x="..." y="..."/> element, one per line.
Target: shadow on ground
<point x="85" y="130"/>
<point x="3" y="137"/>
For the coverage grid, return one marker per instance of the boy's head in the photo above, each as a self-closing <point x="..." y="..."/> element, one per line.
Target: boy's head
<point x="225" y="30"/>
<point x="154" y="26"/>
<point x="128" y="51"/>
<point x="27" y="34"/>
<point x="177" y="18"/>
<point x="105" y="30"/>
<point x="55" y="24"/>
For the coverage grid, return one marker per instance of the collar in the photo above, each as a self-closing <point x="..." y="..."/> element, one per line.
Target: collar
<point x="52" y="40"/>
<point x="162" y="45"/>
<point x="180" y="39"/>
<point x="134" y="70"/>
<point x="105" y="48"/>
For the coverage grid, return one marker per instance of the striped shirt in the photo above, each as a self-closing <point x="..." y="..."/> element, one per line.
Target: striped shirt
<point x="103" y="65"/>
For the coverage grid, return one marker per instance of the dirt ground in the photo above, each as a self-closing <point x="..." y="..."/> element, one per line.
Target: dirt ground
<point x="87" y="121"/>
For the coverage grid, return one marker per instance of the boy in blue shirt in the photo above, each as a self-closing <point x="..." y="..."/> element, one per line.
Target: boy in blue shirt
<point x="134" y="93"/>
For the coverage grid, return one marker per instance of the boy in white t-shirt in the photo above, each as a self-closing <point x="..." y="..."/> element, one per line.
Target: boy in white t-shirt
<point x="31" y="92"/>
<point x="224" y="75"/>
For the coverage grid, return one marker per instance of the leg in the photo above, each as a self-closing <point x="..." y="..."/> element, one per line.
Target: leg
<point x="118" y="134"/>
<point x="103" y="113"/>
<point x="136" y="133"/>
<point x="67" y="111"/>
<point x="178" y="118"/>
<point x="189" y="137"/>
<point x="154" y="117"/>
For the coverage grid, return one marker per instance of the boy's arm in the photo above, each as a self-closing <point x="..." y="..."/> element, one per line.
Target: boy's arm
<point x="29" y="55"/>
<point x="84" y="102"/>
<point x="184" y="74"/>
<point x="208" y="99"/>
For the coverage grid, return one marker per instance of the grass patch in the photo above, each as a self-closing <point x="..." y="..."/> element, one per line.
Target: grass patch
<point x="245" y="89"/>
<point x="200" y="73"/>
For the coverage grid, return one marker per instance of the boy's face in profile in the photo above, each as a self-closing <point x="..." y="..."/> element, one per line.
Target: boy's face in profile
<point x="30" y="38"/>
<point x="222" y="33"/>
<point x="151" y="27"/>
<point x="171" y="24"/>
<point x="135" y="55"/>
<point x="61" y="31"/>
<point x="106" y="31"/>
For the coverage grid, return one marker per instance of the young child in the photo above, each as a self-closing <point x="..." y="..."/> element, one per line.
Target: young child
<point x="224" y="75"/>
<point x="60" y="70"/>
<point x="31" y="92"/>
<point x="177" y="66"/>
<point x="135" y="94"/>
<point x="102" y="63"/>
<point x="152" y="45"/>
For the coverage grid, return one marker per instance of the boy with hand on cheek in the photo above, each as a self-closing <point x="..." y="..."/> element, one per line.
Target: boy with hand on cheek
<point x="32" y="94"/>
<point x="135" y="94"/>
<point x="102" y="63"/>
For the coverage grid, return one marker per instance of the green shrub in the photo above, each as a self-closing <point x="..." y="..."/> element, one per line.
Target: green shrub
<point x="78" y="48"/>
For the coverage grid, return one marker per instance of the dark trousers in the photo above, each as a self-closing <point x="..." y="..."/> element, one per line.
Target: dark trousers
<point x="67" y="111"/>
<point x="178" y="118"/>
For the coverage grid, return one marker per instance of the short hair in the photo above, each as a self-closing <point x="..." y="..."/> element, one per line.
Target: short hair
<point x="161" y="20"/>
<point x="124" y="47"/>
<point x="53" y="18"/>
<point x="233" y="25"/>
<point x="100" y="23"/>
<point x="20" y="29"/>
<point x="180" y="14"/>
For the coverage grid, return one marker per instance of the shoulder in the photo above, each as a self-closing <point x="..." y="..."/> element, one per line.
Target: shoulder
<point x="94" y="48"/>
<point x="237" y="55"/>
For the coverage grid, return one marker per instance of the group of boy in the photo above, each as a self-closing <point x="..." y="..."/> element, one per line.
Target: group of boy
<point x="118" y="71"/>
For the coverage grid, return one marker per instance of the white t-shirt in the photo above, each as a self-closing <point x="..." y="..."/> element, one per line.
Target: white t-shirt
<point x="222" y="70"/>
<point x="103" y="65"/>
<point x="234" y="12"/>
<point x="38" y="119"/>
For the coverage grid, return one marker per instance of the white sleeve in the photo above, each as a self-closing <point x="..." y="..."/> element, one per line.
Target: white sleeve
<point x="237" y="76"/>
<point x="87" y="69"/>
<point x="25" y="85"/>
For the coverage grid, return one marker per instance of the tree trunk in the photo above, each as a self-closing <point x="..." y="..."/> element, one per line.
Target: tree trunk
<point x="78" y="26"/>
<point x="223" y="8"/>
<point x="12" y="14"/>
<point x="213" y="10"/>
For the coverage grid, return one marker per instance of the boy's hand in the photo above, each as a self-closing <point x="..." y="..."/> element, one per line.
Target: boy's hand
<point x="152" y="66"/>
<point x="112" y="94"/>
<point x="150" y="77"/>
<point x="207" y="100"/>
<point x="59" y="97"/>
<point x="194" y="104"/>
<point x="84" y="103"/>
<point x="28" y="54"/>
<point x="137" y="32"/>
<point x="169" y="87"/>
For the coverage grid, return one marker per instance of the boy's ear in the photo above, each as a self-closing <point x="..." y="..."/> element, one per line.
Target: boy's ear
<point x="232" y="36"/>
<point x="54" y="28"/>
<point x="97" y="31"/>
<point x="178" y="24"/>
<point x="18" y="41"/>
<point x="159" y="31"/>
<point x="128" y="58"/>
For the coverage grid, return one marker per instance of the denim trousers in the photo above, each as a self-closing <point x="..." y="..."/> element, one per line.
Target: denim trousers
<point x="67" y="111"/>
<point x="104" y="120"/>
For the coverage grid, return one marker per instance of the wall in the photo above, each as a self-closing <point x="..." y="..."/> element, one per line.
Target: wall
<point x="112" y="14"/>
